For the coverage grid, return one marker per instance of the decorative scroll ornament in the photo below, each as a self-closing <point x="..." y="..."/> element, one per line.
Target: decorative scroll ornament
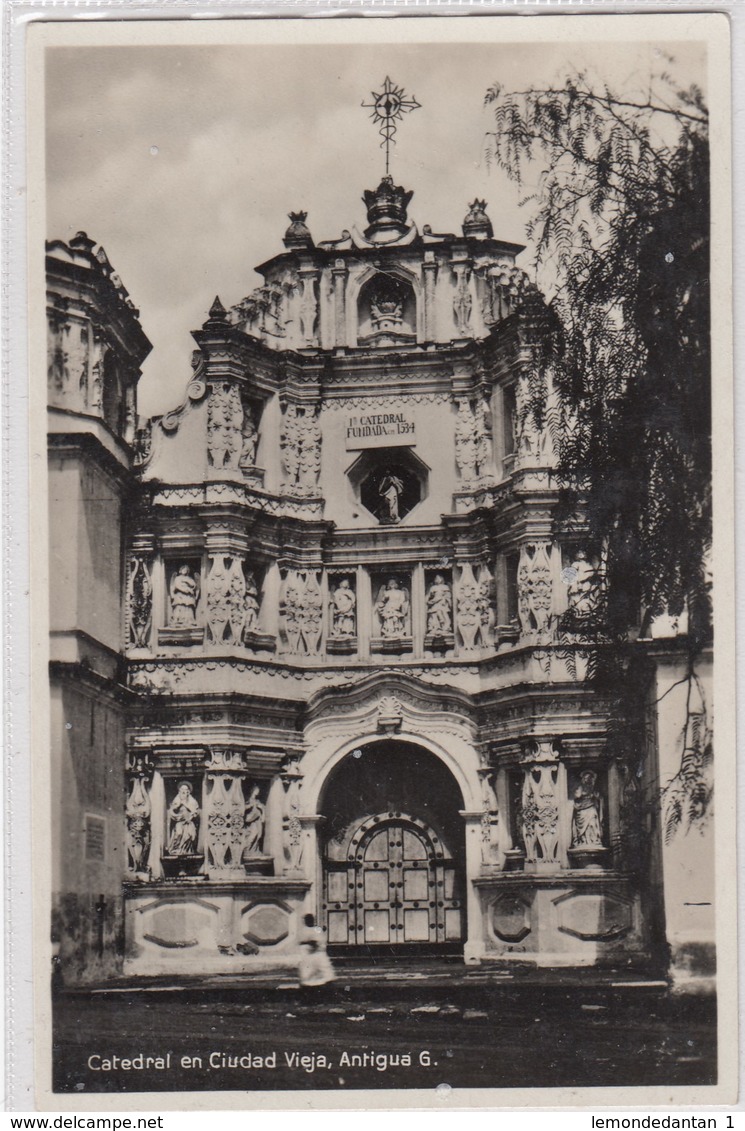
<point x="534" y="588"/>
<point x="139" y="602"/>
<point x="224" y="426"/>
<point x="390" y="714"/>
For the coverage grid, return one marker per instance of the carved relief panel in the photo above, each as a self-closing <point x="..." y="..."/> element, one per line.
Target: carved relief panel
<point x="301" y="613"/>
<point x="224" y="426"/>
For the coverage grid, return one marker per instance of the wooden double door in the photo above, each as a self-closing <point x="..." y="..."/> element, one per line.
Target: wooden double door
<point x="397" y="889"/>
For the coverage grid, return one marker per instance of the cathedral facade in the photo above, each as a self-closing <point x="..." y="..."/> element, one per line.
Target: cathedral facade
<point x="322" y="645"/>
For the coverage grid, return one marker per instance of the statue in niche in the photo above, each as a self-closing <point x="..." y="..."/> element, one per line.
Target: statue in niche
<point x="584" y="592"/>
<point x="309" y="451"/>
<point x="289" y="445"/>
<point x="250" y="440"/>
<point x="392" y="608"/>
<point x="390" y="490"/>
<point x="344" y="604"/>
<point x="254" y="817"/>
<point x="587" y="813"/>
<point x="439" y="608"/>
<point x="251" y="603"/>
<point x="465" y="441"/>
<point x="183" y="816"/>
<point x="137" y="813"/>
<point x="224" y="426"/>
<point x="183" y="593"/>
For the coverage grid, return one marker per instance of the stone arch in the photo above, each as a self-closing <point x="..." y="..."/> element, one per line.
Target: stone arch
<point x="319" y="768"/>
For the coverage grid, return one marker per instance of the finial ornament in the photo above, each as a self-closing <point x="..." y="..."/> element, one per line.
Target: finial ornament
<point x="388" y="107"/>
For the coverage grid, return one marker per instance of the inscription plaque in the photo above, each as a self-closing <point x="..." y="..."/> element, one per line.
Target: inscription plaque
<point x="380" y="430"/>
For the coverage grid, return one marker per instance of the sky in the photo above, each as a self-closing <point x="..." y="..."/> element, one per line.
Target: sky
<point x="184" y="161"/>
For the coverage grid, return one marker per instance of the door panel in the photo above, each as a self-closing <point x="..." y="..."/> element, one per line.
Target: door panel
<point x="397" y="887"/>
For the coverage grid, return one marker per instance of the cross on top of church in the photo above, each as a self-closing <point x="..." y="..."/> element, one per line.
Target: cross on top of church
<point x="388" y="107"/>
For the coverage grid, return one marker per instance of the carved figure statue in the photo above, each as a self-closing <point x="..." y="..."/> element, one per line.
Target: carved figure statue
<point x="183" y="816"/>
<point x="250" y="440"/>
<point x="344" y="604"/>
<point x="253" y="824"/>
<point x="183" y="593"/>
<point x="439" y="607"/>
<point x="137" y="813"/>
<point x="390" y="490"/>
<point x="393" y="608"/>
<point x="224" y="426"/>
<point x="587" y="813"/>
<point x="251" y="603"/>
<point x="584" y="592"/>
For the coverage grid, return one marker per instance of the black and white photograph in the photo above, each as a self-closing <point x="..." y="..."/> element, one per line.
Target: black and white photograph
<point x="387" y="540"/>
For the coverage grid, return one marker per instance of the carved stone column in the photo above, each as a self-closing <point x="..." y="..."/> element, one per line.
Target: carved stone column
<point x="492" y="853"/>
<point x="216" y="598"/>
<point x="339" y="276"/>
<point x="309" y="305"/>
<point x="535" y="589"/>
<point x="139" y="595"/>
<point x="429" y="270"/>
<point x="138" y="813"/>
<point x="543" y="811"/>
<point x="293" y="840"/>
<point x="224" y="811"/>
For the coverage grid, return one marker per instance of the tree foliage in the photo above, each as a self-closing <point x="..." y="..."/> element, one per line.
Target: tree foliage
<point x="620" y="227"/>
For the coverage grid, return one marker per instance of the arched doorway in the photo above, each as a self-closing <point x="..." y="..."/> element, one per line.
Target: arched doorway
<point x="392" y="853"/>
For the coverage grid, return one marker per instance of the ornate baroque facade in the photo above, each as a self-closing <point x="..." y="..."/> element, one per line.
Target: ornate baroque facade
<point x="330" y="654"/>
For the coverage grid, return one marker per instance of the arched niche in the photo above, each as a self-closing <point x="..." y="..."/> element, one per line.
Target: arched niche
<point x="392" y="848"/>
<point x="386" y="311"/>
